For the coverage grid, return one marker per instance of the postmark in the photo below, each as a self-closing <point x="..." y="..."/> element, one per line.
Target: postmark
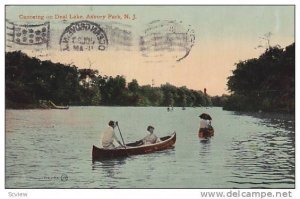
<point x="27" y="34"/>
<point x="167" y="39"/>
<point x="119" y="35"/>
<point x="83" y="36"/>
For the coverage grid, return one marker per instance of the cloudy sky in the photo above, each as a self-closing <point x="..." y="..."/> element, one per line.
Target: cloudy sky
<point x="217" y="37"/>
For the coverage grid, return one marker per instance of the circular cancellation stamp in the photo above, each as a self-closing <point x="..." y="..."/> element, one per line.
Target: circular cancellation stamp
<point x="83" y="36"/>
<point x="167" y="39"/>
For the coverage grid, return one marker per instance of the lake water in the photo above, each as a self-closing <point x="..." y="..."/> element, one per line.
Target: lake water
<point x="53" y="149"/>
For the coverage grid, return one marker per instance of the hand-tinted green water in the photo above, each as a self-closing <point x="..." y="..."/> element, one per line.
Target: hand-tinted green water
<point x="52" y="149"/>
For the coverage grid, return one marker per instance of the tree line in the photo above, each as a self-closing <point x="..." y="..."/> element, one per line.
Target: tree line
<point x="266" y="83"/>
<point x="29" y="80"/>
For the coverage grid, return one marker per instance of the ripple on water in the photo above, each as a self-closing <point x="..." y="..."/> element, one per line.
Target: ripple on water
<point x="246" y="152"/>
<point x="263" y="159"/>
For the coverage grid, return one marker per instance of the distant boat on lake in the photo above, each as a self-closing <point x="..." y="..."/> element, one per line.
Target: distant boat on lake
<point x="48" y="104"/>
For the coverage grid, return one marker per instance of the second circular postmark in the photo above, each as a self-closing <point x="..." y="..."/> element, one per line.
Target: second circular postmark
<point x="83" y="36"/>
<point x="167" y="39"/>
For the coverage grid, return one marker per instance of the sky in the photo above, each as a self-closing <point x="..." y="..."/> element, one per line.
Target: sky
<point x="217" y="38"/>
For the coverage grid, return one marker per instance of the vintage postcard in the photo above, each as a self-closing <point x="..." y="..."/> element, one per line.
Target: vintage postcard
<point x="102" y="96"/>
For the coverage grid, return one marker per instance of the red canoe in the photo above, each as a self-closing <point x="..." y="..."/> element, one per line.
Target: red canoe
<point x="207" y="133"/>
<point x="134" y="148"/>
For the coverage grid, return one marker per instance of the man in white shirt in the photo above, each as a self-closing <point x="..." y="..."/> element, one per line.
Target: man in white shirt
<point x="109" y="136"/>
<point x="151" y="138"/>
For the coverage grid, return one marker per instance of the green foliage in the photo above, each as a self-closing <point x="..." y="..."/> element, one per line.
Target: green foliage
<point x="219" y="100"/>
<point x="133" y="86"/>
<point x="266" y="83"/>
<point x="29" y="80"/>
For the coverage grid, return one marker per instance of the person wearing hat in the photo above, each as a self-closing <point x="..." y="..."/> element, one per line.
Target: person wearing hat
<point x="109" y="136"/>
<point x="151" y="138"/>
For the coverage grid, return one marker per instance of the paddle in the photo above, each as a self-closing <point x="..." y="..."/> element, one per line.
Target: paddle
<point x="122" y="139"/>
<point x="121" y="134"/>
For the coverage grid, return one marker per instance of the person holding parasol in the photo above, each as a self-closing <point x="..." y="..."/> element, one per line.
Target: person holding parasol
<point x="206" y="130"/>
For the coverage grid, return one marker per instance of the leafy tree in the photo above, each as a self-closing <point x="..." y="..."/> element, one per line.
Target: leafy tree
<point x="264" y="83"/>
<point x="133" y="86"/>
<point x="29" y="80"/>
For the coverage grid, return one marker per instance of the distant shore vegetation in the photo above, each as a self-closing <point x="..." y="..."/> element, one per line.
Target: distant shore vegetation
<point x="266" y="83"/>
<point x="29" y="80"/>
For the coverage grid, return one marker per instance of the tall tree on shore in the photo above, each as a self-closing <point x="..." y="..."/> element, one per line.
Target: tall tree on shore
<point x="264" y="83"/>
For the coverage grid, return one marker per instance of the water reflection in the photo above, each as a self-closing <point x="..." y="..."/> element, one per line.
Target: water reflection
<point x="205" y="141"/>
<point x="278" y="120"/>
<point x="204" y="154"/>
<point x="108" y="163"/>
<point x="109" y="167"/>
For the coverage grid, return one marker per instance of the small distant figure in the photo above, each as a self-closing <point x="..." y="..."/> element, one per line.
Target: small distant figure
<point x="151" y="138"/>
<point x="109" y="136"/>
<point x="172" y="108"/>
<point x="206" y="130"/>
